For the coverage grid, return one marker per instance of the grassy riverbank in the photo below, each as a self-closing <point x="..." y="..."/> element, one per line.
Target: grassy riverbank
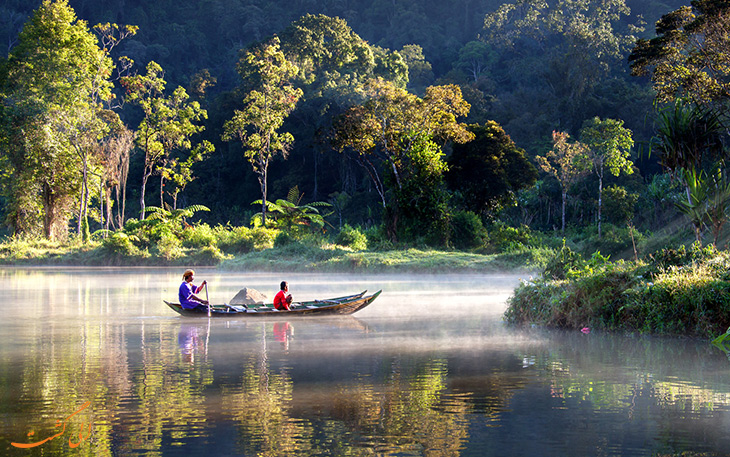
<point x="683" y="291"/>
<point x="292" y="257"/>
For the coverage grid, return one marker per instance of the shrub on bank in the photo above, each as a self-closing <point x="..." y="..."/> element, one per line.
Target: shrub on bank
<point x="20" y="247"/>
<point x="614" y="239"/>
<point x="683" y="291"/>
<point x="168" y="247"/>
<point x="198" y="236"/>
<point x="467" y="231"/>
<point x="352" y="238"/>
<point x="240" y="240"/>
<point x="121" y="245"/>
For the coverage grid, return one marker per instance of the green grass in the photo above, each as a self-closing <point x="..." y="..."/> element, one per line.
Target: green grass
<point x="296" y="257"/>
<point x="674" y="292"/>
<point x="118" y="250"/>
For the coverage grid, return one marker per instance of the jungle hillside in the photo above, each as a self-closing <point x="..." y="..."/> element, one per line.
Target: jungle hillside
<point x="475" y="135"/>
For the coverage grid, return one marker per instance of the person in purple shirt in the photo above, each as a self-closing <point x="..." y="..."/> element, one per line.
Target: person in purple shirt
<point x="188" y="291"/>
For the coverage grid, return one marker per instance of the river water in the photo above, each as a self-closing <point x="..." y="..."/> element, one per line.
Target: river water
<point x="93" y="363"/>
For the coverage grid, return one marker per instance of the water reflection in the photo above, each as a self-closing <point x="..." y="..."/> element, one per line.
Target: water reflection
<point x="412" y="380"/>
<point x="283" y="333"/>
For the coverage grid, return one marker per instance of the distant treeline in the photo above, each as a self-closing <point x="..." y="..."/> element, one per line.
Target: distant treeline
<point x="528" y="74"/>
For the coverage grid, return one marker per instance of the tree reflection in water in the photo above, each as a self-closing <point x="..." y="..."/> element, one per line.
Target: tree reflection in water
<point x="405" y="411"/>
<point x="163" y="385"/>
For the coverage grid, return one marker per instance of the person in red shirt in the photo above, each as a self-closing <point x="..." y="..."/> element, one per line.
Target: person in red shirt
<point x="282" y="301"/>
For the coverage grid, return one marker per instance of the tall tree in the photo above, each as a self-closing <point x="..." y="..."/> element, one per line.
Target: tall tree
<point x="688" y="57"/>
<point x="266" y="68"/>
<point x="334" y="64"/>
<point x="392" y="122"/>
<point x="168" y="124"/>
<point x="567" y="162"/>
<point x="116" y="147"/>
<point x="53" y="83"/>
<point x="489" y="170"/>
<point x="178" y="170"/>
<point x="609" y="144"/>
<point x="555" y="59"/>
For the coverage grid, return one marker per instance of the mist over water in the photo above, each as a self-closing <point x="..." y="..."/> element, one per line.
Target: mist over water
<point x="428" y="369"/>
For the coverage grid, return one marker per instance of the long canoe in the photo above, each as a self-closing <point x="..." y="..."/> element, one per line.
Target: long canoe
<point x="339" y="305"/>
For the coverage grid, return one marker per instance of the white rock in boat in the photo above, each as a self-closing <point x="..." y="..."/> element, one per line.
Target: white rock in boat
<point x="248" y="296"/>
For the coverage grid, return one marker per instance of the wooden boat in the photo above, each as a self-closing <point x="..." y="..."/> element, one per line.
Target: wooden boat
<point x="339" y="305"/>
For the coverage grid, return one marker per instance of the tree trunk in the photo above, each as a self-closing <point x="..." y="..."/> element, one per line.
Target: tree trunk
<point x="141" y="197"/>
<point x="84" y="193"/>
<point x="102" y="216"/>
<point x="162" y="191"/>
<point x="109" y="214"/>
<point x="374" y="177"/>
<point x="565" y="199"/>
<point x="53" y="227"/>
<point x="263" y="175"/>
<point x="600" y="202"/>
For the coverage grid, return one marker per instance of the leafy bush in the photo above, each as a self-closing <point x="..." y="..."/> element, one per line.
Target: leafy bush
<point x="377" y="239"/>
<point x="207" y="255"/>
<point x="687" y="294"/>
<point x="198" y="236"/>
<point x="503" y="237"/>
<point x="169" y="247"/>
<point x="352" y="238"/>
<point x="619" y="204"/>
<point x="565" y="259"/>
<point x="240" y="240"/>
<point x="121" y="244"/>
<point x="467" y="231"/>
<point x="615" y="240"/>
<point x="666" y="258"/>
<point x="283" y="239"/>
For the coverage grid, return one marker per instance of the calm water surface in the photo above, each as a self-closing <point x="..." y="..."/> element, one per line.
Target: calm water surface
<point x="93" y="363"/>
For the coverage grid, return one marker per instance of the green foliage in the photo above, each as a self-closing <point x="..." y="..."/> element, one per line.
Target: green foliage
<point x="615" y="239"/>
<point x="620" y="204"/>
<point x="401" y="129"/>
<point x="167" y="125"/>
<point x="288" y="215"/>
<point x="378" y="239"/>
<point x="672" y="258"/>
<point x="267" y="105"/>
<point x="352" y="237"/>
<point x="199" y="236"/>
<point x="688" y="56"/>
<point x="567" y="162"/>
<point x="119" y="244"/>
<point x="207" y="255"/>
<point x="239" y="240"/>
<point x="489" y="170"/>
<point x="326" y="51"/>
<point x="475" y="59"/>
<point x="564" y="260"/>
<point x="168" y="247"/>
<point x="610" y="145"/>
<point x="503" y="237"/>
<point x="560" y="62"/>
<point x="687" y="135"/>
<point x="468" y="232"/>
<point x="421" y="202"/>
<point x="683" y="291"/>
<point x="51" y="89"/>
<point x="283" y="239"/>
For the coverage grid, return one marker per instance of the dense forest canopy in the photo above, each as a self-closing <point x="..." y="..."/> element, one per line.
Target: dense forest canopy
<point x="525" y="71"/>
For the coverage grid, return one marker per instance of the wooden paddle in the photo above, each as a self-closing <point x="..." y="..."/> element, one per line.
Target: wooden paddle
<point x="206" y="297"/>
